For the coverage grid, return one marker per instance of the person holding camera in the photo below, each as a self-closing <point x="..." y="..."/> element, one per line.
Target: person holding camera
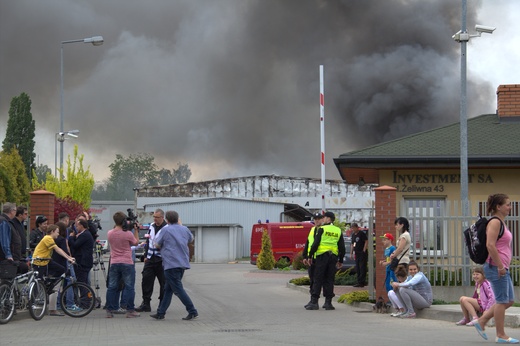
<point x="152" y="263"/>
<point x="124" y="235"/>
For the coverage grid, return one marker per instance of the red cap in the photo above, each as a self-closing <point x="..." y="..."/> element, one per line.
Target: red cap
<point x="388" y="236"/>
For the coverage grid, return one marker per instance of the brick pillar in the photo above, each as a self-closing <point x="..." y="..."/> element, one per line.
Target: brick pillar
<point x="41" y="203"/>
<point x="385" y="214"/>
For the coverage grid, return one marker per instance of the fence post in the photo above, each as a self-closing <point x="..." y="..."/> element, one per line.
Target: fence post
<point x="385" y="214"/>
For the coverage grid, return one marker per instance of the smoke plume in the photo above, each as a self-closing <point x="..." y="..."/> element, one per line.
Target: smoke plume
<point x="231" y="87"/>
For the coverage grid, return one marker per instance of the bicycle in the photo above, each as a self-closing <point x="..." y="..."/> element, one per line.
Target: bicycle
<point x="77" y="298"/>
<point x="25" y="291"/>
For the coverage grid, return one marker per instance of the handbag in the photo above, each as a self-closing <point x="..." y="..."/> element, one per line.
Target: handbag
<point x="395" y="261"/>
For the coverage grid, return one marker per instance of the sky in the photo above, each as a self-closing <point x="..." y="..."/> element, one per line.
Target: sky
<point x="231" y="87"/>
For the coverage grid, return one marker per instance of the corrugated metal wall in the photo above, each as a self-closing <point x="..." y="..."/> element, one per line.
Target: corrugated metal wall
<point x="222" y="211"/>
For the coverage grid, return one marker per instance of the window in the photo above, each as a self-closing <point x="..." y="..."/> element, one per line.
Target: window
<point x="427" y="228"/>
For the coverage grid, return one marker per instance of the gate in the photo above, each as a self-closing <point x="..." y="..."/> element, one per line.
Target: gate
<point x="436" y="230"/>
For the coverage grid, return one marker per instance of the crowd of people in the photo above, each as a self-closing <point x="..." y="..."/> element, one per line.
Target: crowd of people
<point x="408" y="288"/>
<point x="53" y="245"/>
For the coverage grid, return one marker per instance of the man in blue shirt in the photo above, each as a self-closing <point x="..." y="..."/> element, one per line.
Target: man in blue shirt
<point x="173" y="243"/>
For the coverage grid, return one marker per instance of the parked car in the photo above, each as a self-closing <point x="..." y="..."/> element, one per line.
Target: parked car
<point x="105" y="247"/>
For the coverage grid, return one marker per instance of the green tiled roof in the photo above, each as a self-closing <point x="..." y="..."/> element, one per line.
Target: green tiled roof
<point x="487" y="138"/>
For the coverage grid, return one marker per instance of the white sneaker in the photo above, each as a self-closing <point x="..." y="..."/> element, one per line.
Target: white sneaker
<point x="397" y="313"/>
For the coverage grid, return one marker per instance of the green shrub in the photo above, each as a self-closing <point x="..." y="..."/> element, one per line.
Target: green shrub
<point x="282" y="263"/>
<point x="356" y="296"/>
<point x="442" y="277"/>
<point x="265" y="260"/>
<point x="345" y="278"/>
<point x="297" y="263"/>
<point x="303" y="281"/>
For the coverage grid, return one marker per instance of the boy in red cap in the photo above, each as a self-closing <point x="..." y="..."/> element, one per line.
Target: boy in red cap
<point x="389" y="248"/>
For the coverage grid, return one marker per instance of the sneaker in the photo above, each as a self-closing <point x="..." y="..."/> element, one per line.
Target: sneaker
<point x="143" y="308"/>
<point x="408" y="315"/>
<point x="110" y="314"/>
<point x="157" y="316"/>
<point x="472" y="322"/>
<point x="74" y="308"/>
<point x="132" y="314"/>
<point x="397" y="313"/>
<point x="463" y="322"/>
<point x="119" y="311"/>
<point x="190" y="317"/>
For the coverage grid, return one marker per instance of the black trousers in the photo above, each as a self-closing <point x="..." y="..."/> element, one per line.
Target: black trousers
<point x="361" y="266"/>
<point x="324" y="272"/>
<point x="152" y="269"/>
<point x="310" y="271"/>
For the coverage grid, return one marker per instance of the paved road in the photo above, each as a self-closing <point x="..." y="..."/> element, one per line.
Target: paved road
<point x="238" y="307"/>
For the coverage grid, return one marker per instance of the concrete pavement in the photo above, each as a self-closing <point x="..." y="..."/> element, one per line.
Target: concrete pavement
<point x="238" y="306"/>
<point x="448" y="313"/>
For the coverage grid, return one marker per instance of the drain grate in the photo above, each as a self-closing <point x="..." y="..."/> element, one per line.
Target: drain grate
<point x="237" y="330"/>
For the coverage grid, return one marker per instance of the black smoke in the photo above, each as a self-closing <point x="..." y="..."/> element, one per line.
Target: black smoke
<point x="232" y="87"/>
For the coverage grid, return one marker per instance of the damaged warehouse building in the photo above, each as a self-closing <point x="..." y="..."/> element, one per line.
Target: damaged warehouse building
<point x="221" y="213"/>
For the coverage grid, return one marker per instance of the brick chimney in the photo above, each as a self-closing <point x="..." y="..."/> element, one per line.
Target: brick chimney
<point x="508" y="101"/>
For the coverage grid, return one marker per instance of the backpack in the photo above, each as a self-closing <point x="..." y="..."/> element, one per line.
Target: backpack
<point x="475" y="239"/>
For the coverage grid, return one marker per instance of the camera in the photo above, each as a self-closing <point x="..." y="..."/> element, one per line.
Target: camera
<point x="484" y="29"/>
<point x="130" y="221"/>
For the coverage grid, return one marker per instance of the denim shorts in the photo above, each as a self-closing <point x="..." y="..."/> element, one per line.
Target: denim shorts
<point x="502" y="285"/>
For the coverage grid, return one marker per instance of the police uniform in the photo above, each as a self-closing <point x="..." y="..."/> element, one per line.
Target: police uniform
<point x="328" y="249"/>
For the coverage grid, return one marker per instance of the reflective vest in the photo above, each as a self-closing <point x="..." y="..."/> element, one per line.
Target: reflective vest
<point x="329" y="239"/>
<point x="310" y="240"/>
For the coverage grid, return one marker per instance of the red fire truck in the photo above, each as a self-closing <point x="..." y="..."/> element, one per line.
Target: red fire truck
<point x="287" y="238"/>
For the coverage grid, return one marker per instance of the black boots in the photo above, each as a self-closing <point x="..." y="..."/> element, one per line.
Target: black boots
<point x="328" y="304"/>
<point x="313" y="304"/>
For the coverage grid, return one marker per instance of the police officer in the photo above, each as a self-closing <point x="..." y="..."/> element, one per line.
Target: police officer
<point x="308" y="261"/>
<point x="328" y="249"/>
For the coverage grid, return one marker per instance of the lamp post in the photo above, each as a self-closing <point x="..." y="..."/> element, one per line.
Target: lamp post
<point x="61" y="137"/>
<point x="96" y="41"/>
<point x="463" y="37"/>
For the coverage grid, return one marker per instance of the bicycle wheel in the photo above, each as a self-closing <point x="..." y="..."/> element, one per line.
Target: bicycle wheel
<point x="6" y="303"/>
<point x="78" y="299"/>
<point x="37" y="300"/>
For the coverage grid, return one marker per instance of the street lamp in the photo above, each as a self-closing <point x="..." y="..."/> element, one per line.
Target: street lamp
<point x="61" y="137"/>
<point x="96" y="41"/>
<point x="463" y="37"/>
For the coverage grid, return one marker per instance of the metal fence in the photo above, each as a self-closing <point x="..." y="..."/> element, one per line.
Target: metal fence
<point x="436" y="229"/>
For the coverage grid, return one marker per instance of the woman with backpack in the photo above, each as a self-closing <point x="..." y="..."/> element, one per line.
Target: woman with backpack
<point x="496" y="268"/>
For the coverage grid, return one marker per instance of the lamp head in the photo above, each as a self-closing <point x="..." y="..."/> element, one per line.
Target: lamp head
<point x="95" y="40"/>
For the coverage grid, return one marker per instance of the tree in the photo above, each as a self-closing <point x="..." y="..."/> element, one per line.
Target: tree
<point x="128" y="173"/>
<point x="164" y="176"/>
<point x="265" y="260"/>
<point x="77" y="184"/>
<point x="14" y="184"/>
<point x="41" y="172"/>
<point x="20" y="131"/>
<point x="136" y="171"/>
<point x="182" y="174"/>
<point x="69" y="206"/>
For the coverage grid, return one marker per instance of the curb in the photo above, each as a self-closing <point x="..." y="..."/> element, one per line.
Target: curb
<point x="448" y="313"/>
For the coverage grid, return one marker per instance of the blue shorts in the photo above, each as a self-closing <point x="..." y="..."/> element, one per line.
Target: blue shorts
<point x="502" y="285"/>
